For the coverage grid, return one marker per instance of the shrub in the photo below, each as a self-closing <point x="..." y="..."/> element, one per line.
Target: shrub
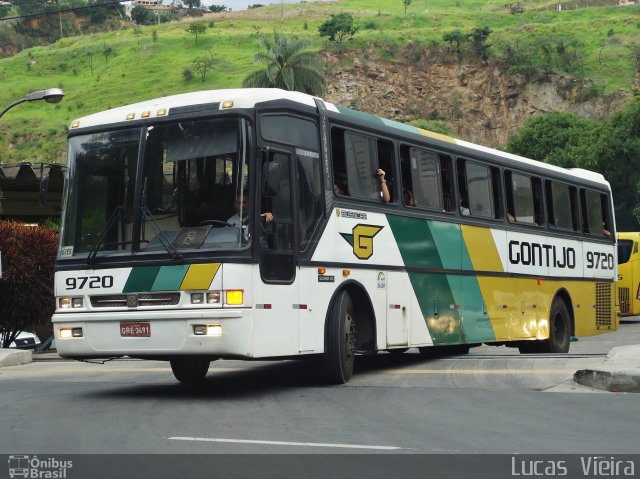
<point x="26" y="287"/>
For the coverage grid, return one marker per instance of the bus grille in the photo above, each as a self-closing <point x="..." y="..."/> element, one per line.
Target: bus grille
<point x="603" y="304"/>
<point x="623" y="297"/>
<point x="144" y="299"/>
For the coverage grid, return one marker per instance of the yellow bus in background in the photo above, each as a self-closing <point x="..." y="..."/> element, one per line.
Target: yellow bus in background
<point x="629" y="273"/>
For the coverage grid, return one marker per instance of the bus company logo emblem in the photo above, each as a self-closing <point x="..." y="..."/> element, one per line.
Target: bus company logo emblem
<point x="361" y="239"/>
<point x="132" y="300"/>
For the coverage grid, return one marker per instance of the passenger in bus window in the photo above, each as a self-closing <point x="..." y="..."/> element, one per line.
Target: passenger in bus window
<point x="340" y="184"/>
<point x="385" y="196"/>
<point x="605" y="231"/>
<point x="464" y="210"/>
<point x="407" y="198"/>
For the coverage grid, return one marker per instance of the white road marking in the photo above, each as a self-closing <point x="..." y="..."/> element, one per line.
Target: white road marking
<point x="284" y="443"/>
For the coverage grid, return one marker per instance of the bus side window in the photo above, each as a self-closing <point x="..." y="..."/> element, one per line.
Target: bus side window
<point x="595" y="213"/>
<point x="446" y="177"/>
<point x="479" y="189"/>
<point x="356" y="158"/>
<point x="561" y="206"/>
<point x="524" y="199"/>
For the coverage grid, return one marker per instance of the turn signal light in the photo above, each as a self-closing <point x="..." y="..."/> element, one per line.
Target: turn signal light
<point x="234" y="297"/>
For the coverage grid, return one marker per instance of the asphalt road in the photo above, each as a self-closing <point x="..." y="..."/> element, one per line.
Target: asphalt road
<point x="491" y="401"/>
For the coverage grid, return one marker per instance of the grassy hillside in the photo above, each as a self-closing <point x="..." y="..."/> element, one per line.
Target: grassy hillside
<point x="106" y="70"/>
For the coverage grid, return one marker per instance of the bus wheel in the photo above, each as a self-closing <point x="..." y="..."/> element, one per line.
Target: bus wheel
<point x="339" y="356"/>
<point x="559" y="328"/>
<point x="190" y="370"/>
<point x="559" y="332"/>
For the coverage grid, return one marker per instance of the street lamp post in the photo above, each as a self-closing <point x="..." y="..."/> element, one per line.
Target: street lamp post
<point x="51" y="95"/>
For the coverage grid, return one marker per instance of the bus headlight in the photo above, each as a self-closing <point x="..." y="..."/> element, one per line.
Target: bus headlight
<point x="207" y="330"/>
<point x="213" y="297"/>
<point x="67" y="302"/>
<point x="66" y="333"/>
<point x="197" y="298"/>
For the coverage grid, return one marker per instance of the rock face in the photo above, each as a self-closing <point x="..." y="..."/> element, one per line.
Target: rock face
<point x="478" y="103"/>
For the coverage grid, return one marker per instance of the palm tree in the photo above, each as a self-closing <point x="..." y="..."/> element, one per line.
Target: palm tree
<point x="288" y="66"/>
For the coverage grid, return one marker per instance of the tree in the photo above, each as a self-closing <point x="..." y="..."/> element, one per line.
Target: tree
<point x="197" y="29"/>
<point x="141" y="15"/>
<point x="138" y="33"/>
<point x="455" y="38"/>
<point x="26" y="289"/>
<point x="406" y="5"/>
<point x="562" y="139"/>
<point x="107" y="51"/>
<point x="288" y="66"/>
<point x="618" y="158"/>
<point x="201" y="65"/>
<point x="217" y="8"/>
<point x="191" y="4"/>
<point x="478" y="37"/>
<point x="338" y="27"/>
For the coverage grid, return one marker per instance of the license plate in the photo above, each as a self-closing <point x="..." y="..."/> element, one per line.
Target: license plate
<point x="140" y="329"/>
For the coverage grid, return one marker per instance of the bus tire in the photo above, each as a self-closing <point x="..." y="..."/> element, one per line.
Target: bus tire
<point x="339" y="355"/>
<point x="190" y="370"/>
<point x="559" y="332"/>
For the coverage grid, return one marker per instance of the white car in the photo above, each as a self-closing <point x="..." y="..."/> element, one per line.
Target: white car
<point x="25" y="340"/>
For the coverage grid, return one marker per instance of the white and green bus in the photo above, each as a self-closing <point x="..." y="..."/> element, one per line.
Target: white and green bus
<point x="249" y="223"/>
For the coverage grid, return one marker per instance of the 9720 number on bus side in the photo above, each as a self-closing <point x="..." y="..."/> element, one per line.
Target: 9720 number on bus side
<point x="596" y="260"/>
<point x="93" y="282"/>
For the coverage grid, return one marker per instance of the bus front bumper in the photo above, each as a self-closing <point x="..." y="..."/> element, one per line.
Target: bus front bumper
<point x="224" y="332"/>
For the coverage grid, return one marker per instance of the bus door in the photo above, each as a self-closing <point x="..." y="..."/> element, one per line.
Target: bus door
<point x="276" y="292"/>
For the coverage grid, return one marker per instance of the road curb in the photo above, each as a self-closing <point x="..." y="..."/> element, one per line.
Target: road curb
<point x="14" y="357"/>
<point x="620" y="371"/>
<point x="614" y="381"/>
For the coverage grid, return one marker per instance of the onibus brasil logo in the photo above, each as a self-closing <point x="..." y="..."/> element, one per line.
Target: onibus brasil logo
<point x="361" y="239"/>
<point x="34" y="467"/>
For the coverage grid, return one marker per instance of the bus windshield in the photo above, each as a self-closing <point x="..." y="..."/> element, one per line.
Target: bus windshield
<point x="174" y="188"/>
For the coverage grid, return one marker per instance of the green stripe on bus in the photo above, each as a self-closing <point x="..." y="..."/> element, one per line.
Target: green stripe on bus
<point x="438" y="306"/>
<point x="141" y="279"/>
<point x="415" y="242"/>
<point x="476" y="325"/>
<point x="170" y="278"/>
<point x="448" y="241"/>
<point x="444" y="299"/>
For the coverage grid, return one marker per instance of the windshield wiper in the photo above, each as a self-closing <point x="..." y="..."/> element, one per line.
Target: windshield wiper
<point x="159" y="234"/>
<point x="110" y="222"/>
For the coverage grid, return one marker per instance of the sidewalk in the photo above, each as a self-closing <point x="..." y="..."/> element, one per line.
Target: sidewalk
<point x="15" y="357"/>
<point x="620" y="371"/>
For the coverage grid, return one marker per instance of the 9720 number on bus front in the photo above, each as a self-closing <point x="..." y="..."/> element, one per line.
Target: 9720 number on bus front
<point x="596" y="260"/>
<point x="92" y="282"/>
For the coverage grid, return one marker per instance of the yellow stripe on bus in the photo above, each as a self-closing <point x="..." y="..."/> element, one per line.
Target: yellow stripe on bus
<point x="482" y="249"/>
<point x="200" y="276"/>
